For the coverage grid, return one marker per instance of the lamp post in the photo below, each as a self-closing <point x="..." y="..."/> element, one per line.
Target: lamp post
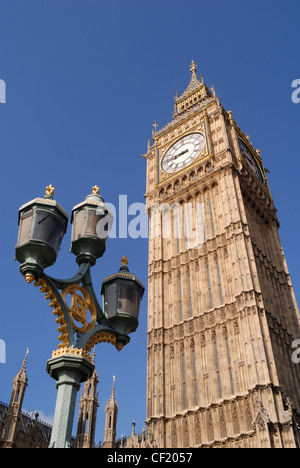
<point x="81" y="321"/>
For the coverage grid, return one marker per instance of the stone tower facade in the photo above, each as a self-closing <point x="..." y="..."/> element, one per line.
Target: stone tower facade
<point x="87" y="417"/>
<point x="222" y="314"/>
<point x="10" y="429"/>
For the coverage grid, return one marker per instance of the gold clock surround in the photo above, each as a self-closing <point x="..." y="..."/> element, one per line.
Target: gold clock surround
<point x="165" y="147"/>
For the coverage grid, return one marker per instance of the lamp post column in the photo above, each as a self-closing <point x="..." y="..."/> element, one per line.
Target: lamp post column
<point x="69" y="371"/>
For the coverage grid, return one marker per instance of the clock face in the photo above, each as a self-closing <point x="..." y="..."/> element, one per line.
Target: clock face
<point x="183" y="152"/>
<point x="251" y="161"/>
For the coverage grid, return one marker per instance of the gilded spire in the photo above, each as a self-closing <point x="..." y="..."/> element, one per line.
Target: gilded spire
<point x="195" y="94"/>
<point x="195" y="82"/>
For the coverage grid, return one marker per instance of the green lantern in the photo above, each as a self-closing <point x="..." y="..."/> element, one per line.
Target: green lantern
<point x="122" y="294"/>
<point x="42" y="226"/>
<point x="91" y="224"/>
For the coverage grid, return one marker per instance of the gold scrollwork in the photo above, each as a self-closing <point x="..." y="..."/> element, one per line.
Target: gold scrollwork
<point x="103" y="337"/>
<point x="81" y="304"/>
<point x="50" y="296"/>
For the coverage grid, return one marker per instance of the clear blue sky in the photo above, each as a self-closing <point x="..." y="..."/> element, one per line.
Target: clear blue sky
<point x="85" y="81"/>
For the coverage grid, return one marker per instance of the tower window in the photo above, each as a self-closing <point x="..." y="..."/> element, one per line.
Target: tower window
<point x="211" y="304"/>
<point x="190" y="296"/>
<point x="200" y="231"/>
<point x="211" y="218"/>
<point x="218" y="371"/>
<point x="195" y="380"/>
<point x="184" y="382"/>
<point x="229" y="367"/>
<point x="177" y="230"/>
<point x="86" y="423"/>
<point x="188" y="226"/>
<point x="219" y="284"/>
<point x="180" y="301"/>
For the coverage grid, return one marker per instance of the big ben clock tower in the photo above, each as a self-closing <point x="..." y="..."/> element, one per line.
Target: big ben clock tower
<point x="222" y="314"/>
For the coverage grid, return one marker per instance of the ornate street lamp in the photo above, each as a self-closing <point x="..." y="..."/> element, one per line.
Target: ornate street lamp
<point x="81" y="321"/>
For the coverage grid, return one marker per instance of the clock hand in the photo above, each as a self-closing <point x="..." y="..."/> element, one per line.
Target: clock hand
<point x="180" y="154"/>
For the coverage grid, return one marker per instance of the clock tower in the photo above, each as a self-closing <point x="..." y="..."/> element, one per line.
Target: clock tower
<point x="222" y="314"/>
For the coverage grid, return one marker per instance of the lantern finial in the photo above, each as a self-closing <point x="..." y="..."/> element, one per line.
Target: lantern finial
<point x="49" y="191"/>
<point x="96" y="190"/>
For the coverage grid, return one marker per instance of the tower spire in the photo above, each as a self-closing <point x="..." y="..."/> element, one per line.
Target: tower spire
<point x="113" y="387"/>
<point x="195" y="82"/>
<point x="195" y="93"/>
<point x="88" y="406"/>
<point x="20" y="383"/>
<point x="111" y="410"/>
<point x="25" y="360"/>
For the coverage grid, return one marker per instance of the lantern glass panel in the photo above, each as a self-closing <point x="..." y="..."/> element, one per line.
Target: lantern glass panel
<point x="48" y="229"/>
<point x="111" y="300"/>
<point x="25" y="227"/>
<point x="78" y="224"/>
<point x="98" y="225"/>
<point x="130" y="300"/>
<point x="92" y="223"/>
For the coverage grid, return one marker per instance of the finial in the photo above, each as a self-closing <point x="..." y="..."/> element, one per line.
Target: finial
<point x="213" y="90"/>
<point x="49" y="191"/>
<point x="133" y="428"/>
<point x="155" y="125"/>
<point x="25" y="359"/>
<point x="124" y="261"/>
<point x="29" y="278"/>
<point x="193" y="67"/>
<point x="96" y="190"/>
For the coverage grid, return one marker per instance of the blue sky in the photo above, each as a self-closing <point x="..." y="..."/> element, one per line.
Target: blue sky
<point x="85" y="81"/>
